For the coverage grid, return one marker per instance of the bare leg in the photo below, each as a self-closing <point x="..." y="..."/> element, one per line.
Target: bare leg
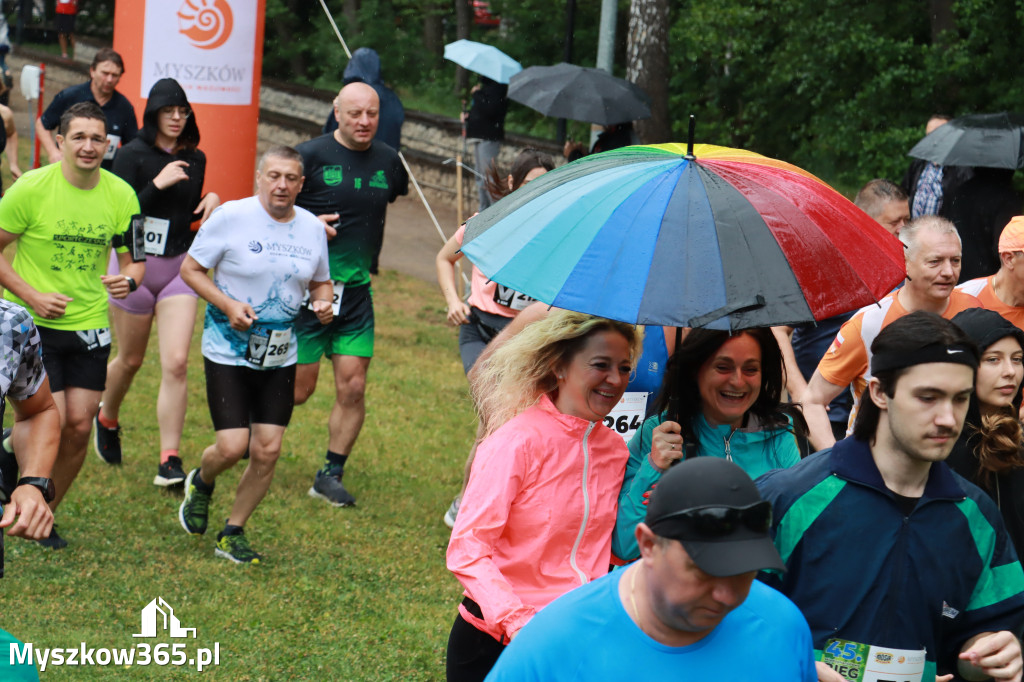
<point x="132" y="333"/>
<point x="78" y="407"/>
<point x="349" y="409"/>
<point x="264" y="449"/>
<point x="305" y="381"/>
<point x="175" y="320"/>
<point x="223" y="454"/>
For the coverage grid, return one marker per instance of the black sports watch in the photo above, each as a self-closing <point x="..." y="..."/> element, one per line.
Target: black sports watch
<point x="132" y="284"/>
<point x="45" y="486"/>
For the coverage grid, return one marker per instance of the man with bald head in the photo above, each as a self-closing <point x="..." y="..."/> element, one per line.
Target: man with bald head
<point x="350" y="180"/>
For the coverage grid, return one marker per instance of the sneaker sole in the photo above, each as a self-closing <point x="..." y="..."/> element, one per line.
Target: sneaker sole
<point x="217" y="551"/>
<point x="449" y="520"/>
<point x="181" y="508"/>
<point x="167" y="482"/>
<point x="313" y="493"/>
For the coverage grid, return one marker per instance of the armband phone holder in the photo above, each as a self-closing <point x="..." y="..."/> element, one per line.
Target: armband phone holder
<point x="134" y="238"/>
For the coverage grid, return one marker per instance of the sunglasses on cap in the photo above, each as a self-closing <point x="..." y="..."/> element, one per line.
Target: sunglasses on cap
<point x="713" y="522"/>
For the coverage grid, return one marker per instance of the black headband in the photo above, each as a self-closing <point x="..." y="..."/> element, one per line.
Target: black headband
<point x="935" y="352"/>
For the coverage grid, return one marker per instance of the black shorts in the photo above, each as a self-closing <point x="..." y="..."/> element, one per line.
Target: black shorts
<point x="76" y="359"/>
<point x="240" y="396"/>
<point x="64" y="23"/>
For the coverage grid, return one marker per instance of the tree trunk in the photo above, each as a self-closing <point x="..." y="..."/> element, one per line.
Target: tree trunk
<point x="350" y="12"/>
<point x="464" y="22"/>
<point x="647" y="64"/>
<point x="433" y="32"/>
<point x="941" y="17"/>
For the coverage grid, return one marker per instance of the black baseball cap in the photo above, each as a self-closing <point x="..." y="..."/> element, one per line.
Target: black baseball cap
<point x="712" y="507"/>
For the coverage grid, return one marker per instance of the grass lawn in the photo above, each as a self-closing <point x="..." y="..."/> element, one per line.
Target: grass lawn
<point x="344" y="594"/>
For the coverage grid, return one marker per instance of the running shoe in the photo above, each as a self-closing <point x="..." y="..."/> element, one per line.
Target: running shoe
<point x="170" y="472"/>
<point x="195" y="508"/>
<point x="8" y="467"/>
<point x="453" y="512"/>
<point x="106" y="442"/>
<point x="236" y="548"/>
<point x="54" y="541"/>
<point x="327" y="486"/>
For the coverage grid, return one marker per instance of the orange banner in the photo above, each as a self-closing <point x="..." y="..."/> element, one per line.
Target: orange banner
<point x="214" y="49"/>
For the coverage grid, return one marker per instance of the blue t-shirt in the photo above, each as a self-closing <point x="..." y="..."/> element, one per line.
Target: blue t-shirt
<point x="586" y="635"/>
<point x="122" y="126"/>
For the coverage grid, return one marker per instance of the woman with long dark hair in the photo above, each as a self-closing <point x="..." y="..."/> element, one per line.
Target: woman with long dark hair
<point x="721" y="397"/>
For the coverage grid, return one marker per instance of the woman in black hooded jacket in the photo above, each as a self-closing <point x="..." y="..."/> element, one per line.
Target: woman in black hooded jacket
<point x="166" y="169"/>
<point x="990" y="450"/>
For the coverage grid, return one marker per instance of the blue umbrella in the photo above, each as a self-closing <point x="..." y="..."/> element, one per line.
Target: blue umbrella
<point x="485" y="60"/>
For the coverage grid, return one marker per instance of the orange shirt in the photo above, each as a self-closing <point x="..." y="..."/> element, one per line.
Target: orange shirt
<point x="847" y="361"/>
<point x="985" y="292"/>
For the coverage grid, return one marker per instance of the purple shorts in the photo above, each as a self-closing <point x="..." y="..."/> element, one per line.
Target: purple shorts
<point x="162" y="280"/>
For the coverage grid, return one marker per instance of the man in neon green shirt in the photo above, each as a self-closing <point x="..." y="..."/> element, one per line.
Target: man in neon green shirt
<point x="63" y="217"/>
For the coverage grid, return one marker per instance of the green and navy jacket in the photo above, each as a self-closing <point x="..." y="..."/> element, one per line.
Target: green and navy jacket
<point x="861" y="570"/>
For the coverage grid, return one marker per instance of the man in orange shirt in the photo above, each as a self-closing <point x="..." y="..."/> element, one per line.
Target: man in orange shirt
<point x="932" y="252"/>
<point x="1003" y="292"/>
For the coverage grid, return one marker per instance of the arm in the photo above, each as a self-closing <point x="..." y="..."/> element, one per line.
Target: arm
<point x="240" y="315"/>
<point x="117" y="284"/>
<point x="820" y="392"/>
<point x="652" y="451"/>
<point x="795" y="382"/>
<point x="12" y="141"/>
<point x="321" y="294"/>
<point x="45" y="137"/>
<point x="496" y="479"/>
<point x="48" y="305"/>
<point x="36" y="440"/>
<point x="458" y="311"/>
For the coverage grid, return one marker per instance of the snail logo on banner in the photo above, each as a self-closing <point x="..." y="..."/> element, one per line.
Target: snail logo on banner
<point x="211" y="53"/>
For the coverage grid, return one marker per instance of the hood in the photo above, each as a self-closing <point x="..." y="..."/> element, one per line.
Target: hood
<point x="167" y="92"/>
<point x="364" y="66"/>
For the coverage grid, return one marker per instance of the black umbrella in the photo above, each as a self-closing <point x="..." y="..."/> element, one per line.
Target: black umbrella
<point x="986" y="140"/>
<point x="580" y="94"/>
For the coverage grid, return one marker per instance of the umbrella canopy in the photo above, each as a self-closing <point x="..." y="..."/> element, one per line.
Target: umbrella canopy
<point x="722" y="238"/>
<point x="581" y="94"/>
<point x="986" y="140"/>
<point x="485" y="60"/>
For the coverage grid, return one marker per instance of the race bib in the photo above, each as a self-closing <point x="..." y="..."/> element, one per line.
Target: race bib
<point x="865" y="663"/>
<point x="510" y="298"/>
<point x="94" y="338"/>
<point x="113" y="142"/>
<point x="627" y="416"/>
<point x="339" y="289"/>
<point x="156" y="230"/>
<point x="268" y="347"/>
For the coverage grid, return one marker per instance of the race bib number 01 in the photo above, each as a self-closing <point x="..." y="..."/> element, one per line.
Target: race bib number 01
<point x="865" y="663"/>
<point x="510" y="298"/>
<point x="113" y="142"/>
<point x="339" y="290"/>
<point x="156" y="230"/>
<point x="268" y="347"/>
<point x="627" y="416"/>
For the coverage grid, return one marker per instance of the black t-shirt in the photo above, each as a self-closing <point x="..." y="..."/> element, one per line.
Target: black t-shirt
<point x="358" y="186"/>
<point x="121" y="121"/>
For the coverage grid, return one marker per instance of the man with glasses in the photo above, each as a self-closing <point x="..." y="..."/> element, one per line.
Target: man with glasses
<point x="689" y="606"/>
<point x="899" y="565"/>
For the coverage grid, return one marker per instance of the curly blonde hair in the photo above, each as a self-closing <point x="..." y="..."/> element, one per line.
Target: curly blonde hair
<point x="523" y="369"/>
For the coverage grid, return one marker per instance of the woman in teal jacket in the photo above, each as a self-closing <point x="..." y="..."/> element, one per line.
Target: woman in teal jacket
<point x="721" y="397"/>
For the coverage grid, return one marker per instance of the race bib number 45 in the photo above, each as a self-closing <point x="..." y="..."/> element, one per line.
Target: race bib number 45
<point x="865" y="663"/>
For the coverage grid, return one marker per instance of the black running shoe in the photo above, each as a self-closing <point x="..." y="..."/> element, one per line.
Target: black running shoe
<point x="170" y="473"/>
<point x="106" y="442"/>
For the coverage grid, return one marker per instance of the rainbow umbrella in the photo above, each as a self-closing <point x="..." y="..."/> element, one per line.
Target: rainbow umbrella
<point x="698" y="236"/>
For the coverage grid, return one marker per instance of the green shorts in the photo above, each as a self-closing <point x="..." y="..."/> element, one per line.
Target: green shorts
<point x="350" y="333"/>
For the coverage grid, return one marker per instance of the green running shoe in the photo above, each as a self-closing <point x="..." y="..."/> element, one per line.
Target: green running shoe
<point x="236" y="548"/>
<point x="195" y="508"/>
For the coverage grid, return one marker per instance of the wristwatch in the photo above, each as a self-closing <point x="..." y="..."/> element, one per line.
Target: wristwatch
<point x="132" y="284"/>
<point x="45" y="485"/>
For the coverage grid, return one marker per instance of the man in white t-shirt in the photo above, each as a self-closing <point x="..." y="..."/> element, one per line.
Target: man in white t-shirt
<point x="265" y="253"/>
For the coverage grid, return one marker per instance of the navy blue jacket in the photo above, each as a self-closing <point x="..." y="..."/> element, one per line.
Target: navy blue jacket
<point x="861" y="570"/>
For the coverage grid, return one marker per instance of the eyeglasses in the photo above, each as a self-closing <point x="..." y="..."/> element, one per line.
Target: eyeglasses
<point x="711" y="522"/>
<point x="183" y="112"/>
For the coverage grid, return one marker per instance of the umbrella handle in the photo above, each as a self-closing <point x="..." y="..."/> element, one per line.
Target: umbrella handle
<point x="689" y="137"/>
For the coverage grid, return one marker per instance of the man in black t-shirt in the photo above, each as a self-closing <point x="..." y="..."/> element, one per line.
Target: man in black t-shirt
<point x="350" y="180"/>
<point x="122" y="125"/>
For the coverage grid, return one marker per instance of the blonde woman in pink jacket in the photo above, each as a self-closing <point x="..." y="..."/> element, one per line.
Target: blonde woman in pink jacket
<point x="538" y="512"/>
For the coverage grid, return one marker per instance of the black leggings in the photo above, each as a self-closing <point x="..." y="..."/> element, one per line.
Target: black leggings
<point x="471" y="652"/>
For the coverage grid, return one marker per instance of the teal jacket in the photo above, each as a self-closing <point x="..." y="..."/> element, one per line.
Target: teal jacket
<point x="755" y="450"/>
